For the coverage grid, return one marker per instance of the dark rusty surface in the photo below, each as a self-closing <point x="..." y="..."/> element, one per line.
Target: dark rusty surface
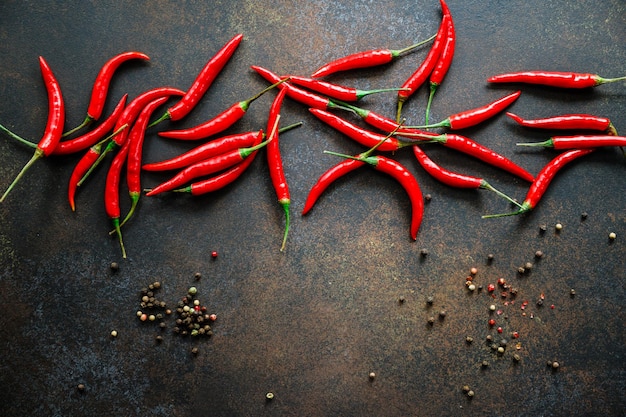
<point x="311" y="323"/>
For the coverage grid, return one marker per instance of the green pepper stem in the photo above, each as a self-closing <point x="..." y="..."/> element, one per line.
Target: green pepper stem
<point x="134" y="200"/>
<point x="246" y="103"/>
<point x="285" y="204"/>
<point x="443" y="123"/>
<point x="118" y="231"/>
<point x="433" y="88"/>
<point x="18" y="138"/>
<point x="600" y="80"/>
<point x="485" y="185"/>
<point x="546" y="144"/>
<point x="363" y="93"/>
<point x="88" y="120"/>
<point x="398" y="52"/>
<point x="38" y="154"/>
<point x="165" y="116"/>
<point x="524" y="208"/>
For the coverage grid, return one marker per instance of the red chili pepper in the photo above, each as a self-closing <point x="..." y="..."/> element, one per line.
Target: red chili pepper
<point x="553" y="79"/>
<point x="358" y="134"/>
<point x="580" y="141"/>
<point x="454" y="179"/>
<point x="335" y="91"/>
<point x="135" y="154"/>
<point x="112" y="191"/>
<point x="275" y="162"/>
<point x="445" y="59"/>
<point x="54" y="125"/>
<point x="207" y="167"/>
<point x="298" y="94"/>
<point x="128" y="117"/>
<point x="203" y="81"/>
<point x="219" y="123"/>
<point x="330" y="176"/>
<point x="481" y="152"/>
<point x="81" y="169"/>
<point x="209" y="149"/>
<point x="568" y="121"/>
<point x="219" y="181"/>
<point x="475" y="116"/>
<point x="545" y="176"/>
<point x="80" y="143"/>
<point x="365" y="59"/>
<point x="101" y="85"/>
<point x="419" y="76"/>
<point x="405" y="178"/>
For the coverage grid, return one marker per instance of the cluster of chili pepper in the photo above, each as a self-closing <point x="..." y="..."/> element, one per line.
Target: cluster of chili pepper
<point x="220" y="161"/>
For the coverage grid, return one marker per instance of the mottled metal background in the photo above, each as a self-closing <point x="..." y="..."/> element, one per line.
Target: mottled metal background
<point x="311" y="323"/>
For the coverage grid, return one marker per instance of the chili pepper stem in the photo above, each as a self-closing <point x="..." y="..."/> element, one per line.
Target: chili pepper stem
<point x="484" y="184"/>
<point x="600" y="80"/>
<point x="399" y="109"/>
<point x="165" y="116"/>
<point x="408" y="49"/>
<point x="110" y="146"/>
<point x="285" y="204"/>
<point x="546" y="144"/>
<point x="246" y="103"/>
<point x="38" y="154"/>
<point x="118" y="231"/>
<point x="363" y="93"/>
<point x="433" y="88"/>
<point x="134" y="200"/>
<point x="87" y="121"/>
<point x="18" y="138"/>
<point x="443" y="123"/>
<point x="524" y="208"/>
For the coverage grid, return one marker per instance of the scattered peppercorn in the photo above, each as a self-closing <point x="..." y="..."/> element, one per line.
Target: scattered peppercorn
<point x="431" y="320"/>
<point x="442" y="314"/>
<point x="114" y="333"/>
<point x="528" y="266"/>
<point x="500" y="349"/>
<point x="521" y="270"/>
<point x="473" y="270"/>
<point x="490" y="257"/>
<point x="539" y="254"/>
<point x="430" y="300"/>
<point x="194" y="350"/>
<point x="269" y="396"/>
<point x="428" y="197"/>
<point x="539" y="302"/>
<point x="492" y="307"/>
<point x="466" y="388"/>
<point x="572" y="292"/>
<point x="558" y="227"/>
<point x="555" y="365"/>
<point x="372" y="375"/>
<point x="401" y="300"/>
<point x="612" y="235"/>
<point x="115" y="266"/>
<point x="583" y="216"/>
<point x="543" y="228"/>
<point x="80" y="387"/>
<point x="159" y="338"/>
<point x="424" y="252"/>
<point x="469" y="339"/>
<point x="470" y="393"/>
<point x="517" y="357"/>
<point x="192" y="290"/>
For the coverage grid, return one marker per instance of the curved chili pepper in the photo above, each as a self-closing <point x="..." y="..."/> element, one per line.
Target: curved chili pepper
<point x="81" y="169"/>
<point x="133" y="164"/>
<point x="445" y="59"/>
<point x="207" y="167"/>
<point x="419" y="76"/>
<point x="335" y="91"/>
<point x="554" y="79"/>
<point x="112" y="192"/>
<point x="568" y="122"/>
<point x="541" y="183"/>
<point x="219" y="123"/>
<point x="365" y="59"/>
<point x="54" y="124"/>
<point x="209" y="149"/>
<point x="128" y="116"/>
<point x="275" y="162"/>
<point x="101" y="85"/>
<point x="481" y="152"/>
<point x="298" y="94"/>
<point x="327" y="178"/>
<point x="454" y="179"/>
<point x="358" y="134"/>
<point x="219" y="181"/>
<point x="203" y="81"/>
<point x="475" y="116"/>
<point x="580" y="141"/>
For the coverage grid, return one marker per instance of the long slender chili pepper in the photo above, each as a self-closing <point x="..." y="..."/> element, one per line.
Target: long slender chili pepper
<point x="454" y="179"/>
<point x="203" y="81"/>
<point x="300" y="95"/>
<point x="358" y="134"/>
<point x="404" y="177"/>
<point x="579" y="141"/>
<point x="541" y="183"/>
<point x="553" y="79"/>
<point x="568" y="122"/>
<point x="365" y="59"/>
<point x="112" y="191"/>
<point x="219" y="181"/>
<point x="84" y="164"/>
<point x="54" y="125"/>
<point x="445" y="59"/>
<point x="207" y="167"/>
<point x="481" y="152"/>
<point x="133" y="164"/>
<point x="209" y="149"/>
<point x="275" y="162"/>
<point x="80" y="143"/>
<point x="475" y="116"/>
<point x="420" y="75"/>
<point x="335" y="91"/>
<point x="220" y="122"/>
<point x="100" y="87"/>
<point x="128" y="117"/>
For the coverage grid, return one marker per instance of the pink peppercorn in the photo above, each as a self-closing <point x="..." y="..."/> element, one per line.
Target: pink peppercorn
<point x="214" y="254"/>
<point x="499" y="329"/>
<point x="492" y="322"/>
<point x="491" y="288"/>
<point x="213" y="317"/>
